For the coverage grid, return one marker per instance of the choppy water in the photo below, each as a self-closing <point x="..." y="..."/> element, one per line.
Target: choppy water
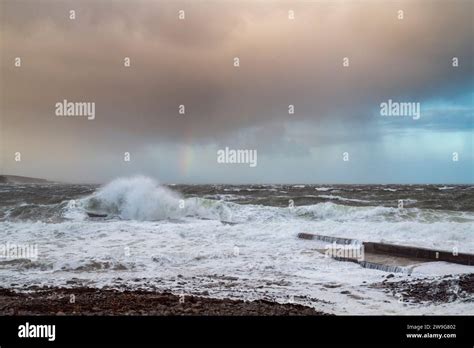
<point x="178" y="237"/>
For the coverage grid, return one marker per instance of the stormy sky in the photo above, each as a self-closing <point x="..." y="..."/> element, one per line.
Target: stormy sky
<point x="283" y="61"/>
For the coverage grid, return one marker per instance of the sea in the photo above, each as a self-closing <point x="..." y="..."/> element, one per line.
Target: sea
<point x="231" y="241"/>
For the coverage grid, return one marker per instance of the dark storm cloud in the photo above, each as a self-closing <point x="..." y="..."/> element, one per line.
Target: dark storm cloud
<point x="190" y="62"/>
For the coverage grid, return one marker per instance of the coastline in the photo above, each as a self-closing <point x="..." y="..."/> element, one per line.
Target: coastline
<point x="90" y="301"/>
<point x="108" y="302"/>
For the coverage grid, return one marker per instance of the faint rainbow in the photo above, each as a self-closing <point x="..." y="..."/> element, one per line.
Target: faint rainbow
<point x="185" y="157"/>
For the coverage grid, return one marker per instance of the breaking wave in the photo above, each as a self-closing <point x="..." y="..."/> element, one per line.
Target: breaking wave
<point x="337" y="212"/>
<point x="142" y="198"/>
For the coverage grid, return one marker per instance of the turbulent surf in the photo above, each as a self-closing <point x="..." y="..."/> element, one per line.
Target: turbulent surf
<point x="227" y="240"/>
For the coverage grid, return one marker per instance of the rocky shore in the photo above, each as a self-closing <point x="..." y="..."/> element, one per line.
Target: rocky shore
<point x="90" y="301"/>
<point x="434" y="290"/>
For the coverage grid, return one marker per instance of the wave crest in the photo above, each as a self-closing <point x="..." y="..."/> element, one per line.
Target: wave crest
<point x="142" y="198"/>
